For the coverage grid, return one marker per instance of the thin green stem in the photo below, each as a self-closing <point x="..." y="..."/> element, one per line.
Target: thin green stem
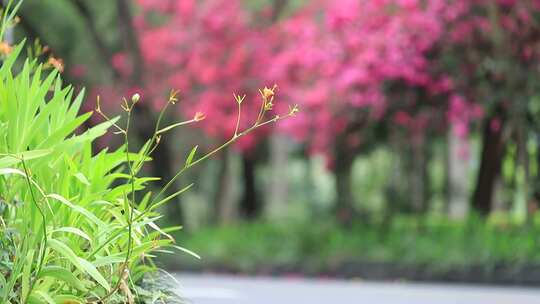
<point x="238" y="119"/>
<point x="178" y="124"/>
<point x="149" y="148"/>
<point x="43" y="225"/>
<point x="130" y="204"/>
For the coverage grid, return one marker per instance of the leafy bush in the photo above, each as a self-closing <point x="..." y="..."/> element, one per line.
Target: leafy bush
<point x="65" y="210"/>
<point x="431" y="243"/>
<point x="78" y="226"/>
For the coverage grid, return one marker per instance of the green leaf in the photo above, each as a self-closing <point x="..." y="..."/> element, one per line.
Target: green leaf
<point x="170" y="197"/>
<point x="43" y="295"/>
<point x="25" y="281"/>
<point x="62" y="274"/>
<point x="10" y="160"/>
<point x="3" y="283"/>
<point x="187" y="251"/>
<point x="82" y="178"/>
<point x="75" y="231"/>
<point x="65" y="251"/>
<point x="145" y="200"/>
<point x="8" y="171"/>
<point x="10" y="60"/>
<point x="80" y="263"/>
<point x="109" y="260"/>
<point x="94" y="273"/>
<point x="71" y="299"/>
<point x="65" y="130"/>
<point x="89" y="215"/>
<point x="190" y="156"/>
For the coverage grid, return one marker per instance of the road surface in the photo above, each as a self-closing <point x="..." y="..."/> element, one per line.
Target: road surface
<point x="214" y="289"/>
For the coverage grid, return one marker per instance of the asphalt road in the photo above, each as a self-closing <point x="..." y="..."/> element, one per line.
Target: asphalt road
<point x="212" y="289"/>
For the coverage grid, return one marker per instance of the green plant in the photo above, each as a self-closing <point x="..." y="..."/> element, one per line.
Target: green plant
<point x="79" y="226"/>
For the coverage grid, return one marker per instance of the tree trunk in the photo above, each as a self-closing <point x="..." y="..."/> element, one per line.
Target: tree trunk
<point x="250" y="205"/>
<point x="457" y="206"/>
<point x="130" y="40"/>
<point x="343" y="175"/>
<point x="523" y="199"/>
<point x="224" y="211"/>
<point x="536" y="182"/>
<point x="278" y="188"/>
<point x="490" y="166"/>
<point x="418" y="177"/>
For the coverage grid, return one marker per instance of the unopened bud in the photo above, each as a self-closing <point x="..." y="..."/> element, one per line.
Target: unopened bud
<point x="135" y="98"/>
<point x="293" y="110"/>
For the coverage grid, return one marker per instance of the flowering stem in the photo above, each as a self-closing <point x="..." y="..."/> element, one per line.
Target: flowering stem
<point x="216" y="150"/>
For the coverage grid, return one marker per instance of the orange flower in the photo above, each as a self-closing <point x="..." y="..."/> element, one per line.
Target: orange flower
<point x="268" y="97"/>
<point x="268" y="93"/>
<point x="5" y="48"/>
<point x="57" y="63"/>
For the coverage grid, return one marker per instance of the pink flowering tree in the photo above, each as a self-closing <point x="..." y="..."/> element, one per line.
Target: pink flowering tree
<point x="415" y="67"/>
<point x="341" y="68"/>
<point x="208" y="50"/>
<point x="362" y="66"/>
<point x="364" y="72"/>
<point x="337" y="67"/>
<point x="491" y="51"/>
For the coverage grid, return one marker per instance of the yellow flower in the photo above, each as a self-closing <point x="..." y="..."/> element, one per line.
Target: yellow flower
<point x="268" y="93"/>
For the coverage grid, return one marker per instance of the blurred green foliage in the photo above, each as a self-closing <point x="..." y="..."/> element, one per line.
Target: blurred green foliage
<point x="433" y="242"/>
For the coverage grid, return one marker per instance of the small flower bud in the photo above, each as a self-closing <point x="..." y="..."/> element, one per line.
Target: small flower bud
<point x="135" y="98"/>
<point x="268" y="106"/>
<point x="98" y="104"/>
<point x="293" y="110"/>
<point x="239" y="99"/>
<point x="173" y="96"/>
<point x="199" y="116"/>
